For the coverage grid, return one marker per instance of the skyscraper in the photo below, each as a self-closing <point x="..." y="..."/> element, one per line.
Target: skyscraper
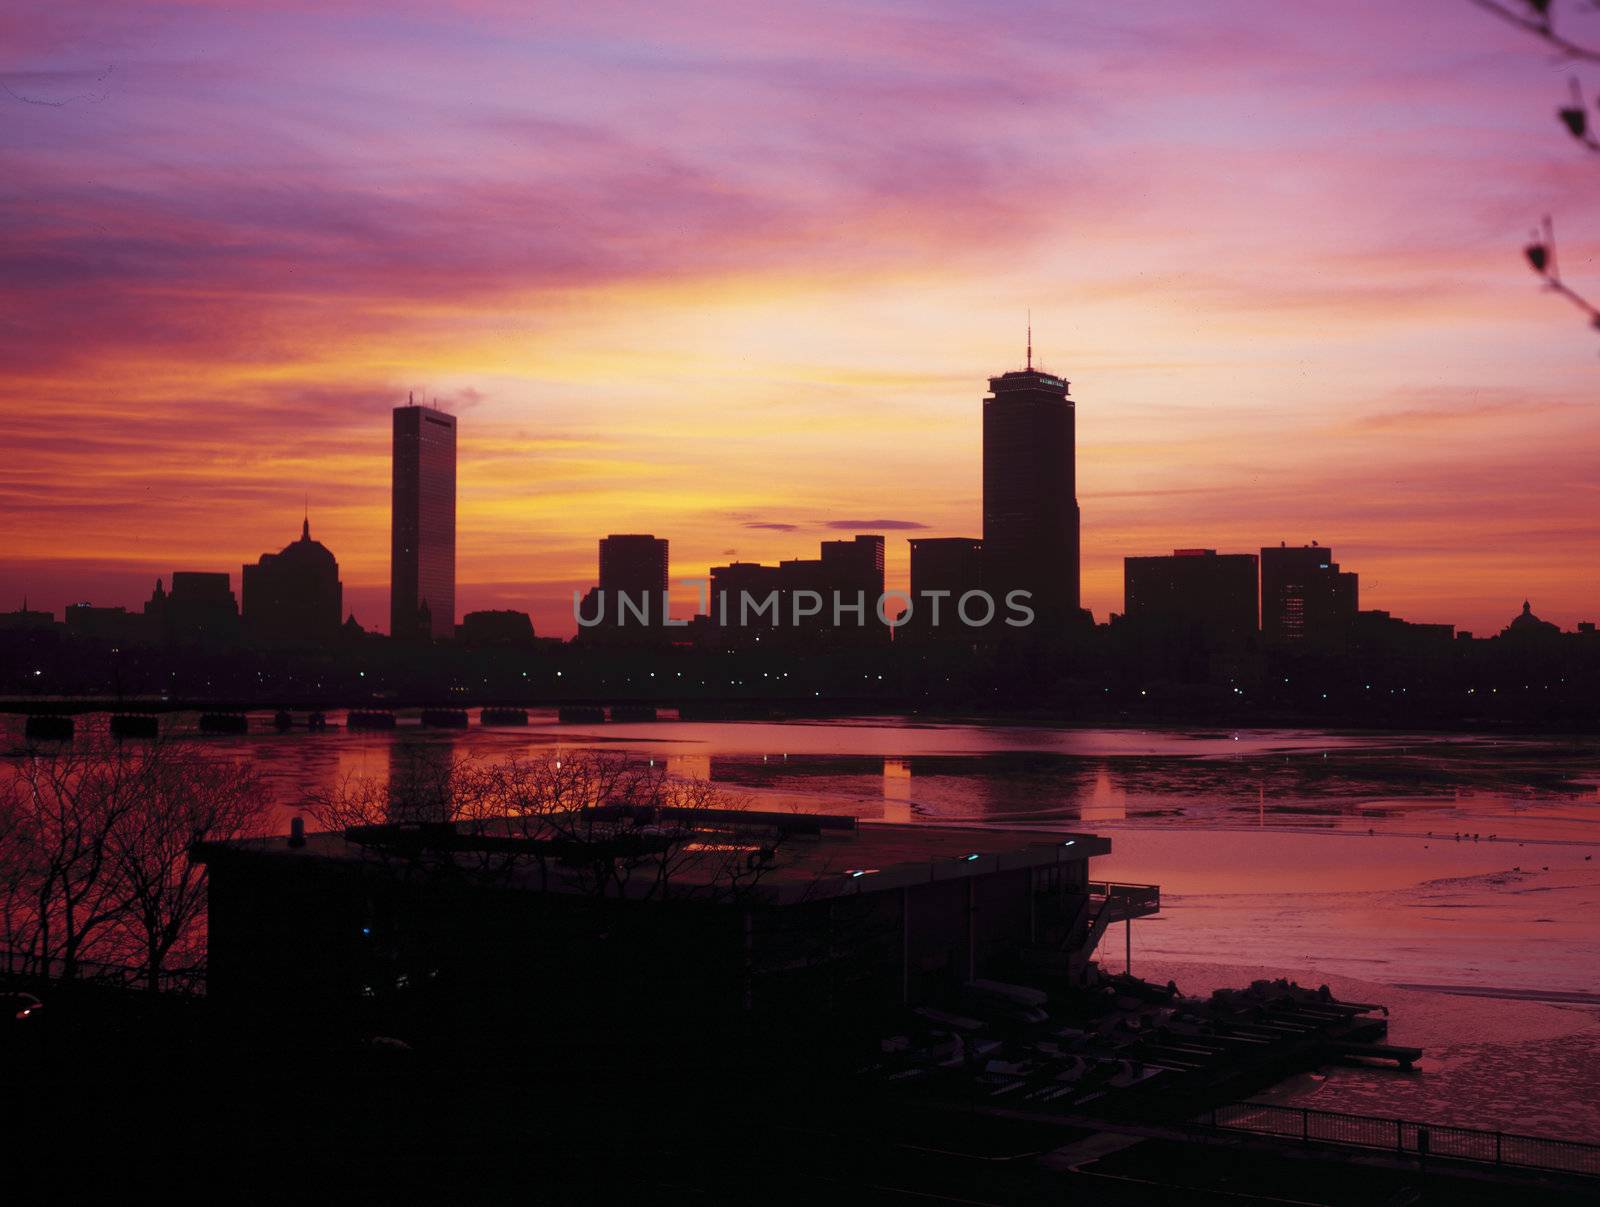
<point x="422" y="540"/>
<point x="1030" y="504"/>
<point x="636" y="565"/>
<point x="855" y="565"/>
<point x="629" y="604"/>
<point x="1305" y="597"/>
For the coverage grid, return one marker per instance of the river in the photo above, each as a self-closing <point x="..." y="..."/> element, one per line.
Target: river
<point x="1401" y="867"/>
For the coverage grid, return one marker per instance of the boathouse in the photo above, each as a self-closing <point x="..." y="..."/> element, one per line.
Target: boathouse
<point x="645" y="913"/>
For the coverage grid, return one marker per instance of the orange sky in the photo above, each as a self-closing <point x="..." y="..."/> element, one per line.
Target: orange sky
<point x="735" y="275"/>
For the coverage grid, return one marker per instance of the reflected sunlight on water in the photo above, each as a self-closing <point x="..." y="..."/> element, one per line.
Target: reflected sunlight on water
<point x="1410" y="859"/>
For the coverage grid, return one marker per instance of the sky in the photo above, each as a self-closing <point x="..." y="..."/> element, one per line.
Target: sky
<point x="735" y="274"/>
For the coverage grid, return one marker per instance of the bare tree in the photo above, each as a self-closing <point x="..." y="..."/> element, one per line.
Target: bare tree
<point x="416" y="793"/>
<point x="16" y="858"/>
<point x="706" y="869"/>
<point x="68" y="802"/>
<point x="607" y="824"/>
<point x="1542" y="19"/>
<point x="427" y="787"/>
<point x="1547" y="21"/>
<point x="1541" y="253"/>
<point x="94" y="851"/>
<point x="191" y="799"/>
<point x="619" y="826"/>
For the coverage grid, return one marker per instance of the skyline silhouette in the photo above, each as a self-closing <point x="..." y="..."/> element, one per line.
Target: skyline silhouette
<point x="1022" y="448"/>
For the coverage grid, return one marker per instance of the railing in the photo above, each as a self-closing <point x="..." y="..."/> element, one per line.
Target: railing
<point x="1129" y="896"/>
<point x="1409" y="1138"/>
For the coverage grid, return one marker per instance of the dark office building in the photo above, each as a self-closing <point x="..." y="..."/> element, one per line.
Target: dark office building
<point x="1305" y="597"/>
<point x="740" y="594"/>
<point x="635" y="565"/>
<point x="1379" y="633"/>
<point x="26" y="619"/>
<point x="847" y="581"/>
<point x="294" y="594"/>
<point x="855" y="566"/>
<point x="422" y="543"/>
<point x="200" y="607"/>
<point x="1195" y="593"/>
<point x="750" y="601"/>
<point x="943" y="569"/>
<point x="495" y="628"/>
<point x="106" y="624"/>
<point x="1030" y="505"/>
<point x="629" y="604"/>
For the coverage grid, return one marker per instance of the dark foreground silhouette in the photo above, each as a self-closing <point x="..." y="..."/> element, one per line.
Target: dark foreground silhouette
<point x="112" y="1091"/>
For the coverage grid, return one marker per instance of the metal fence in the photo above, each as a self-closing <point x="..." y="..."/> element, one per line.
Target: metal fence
<point x="1408" y="1137"/>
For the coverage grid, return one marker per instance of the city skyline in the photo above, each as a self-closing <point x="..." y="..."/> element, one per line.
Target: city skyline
<point x="1289" y="322"/>
<point x="423" y="500"/>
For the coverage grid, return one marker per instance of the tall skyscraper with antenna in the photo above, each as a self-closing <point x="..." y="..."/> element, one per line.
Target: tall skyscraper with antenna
<point x="1030" y="491"/>
<point x="422" y="534"/>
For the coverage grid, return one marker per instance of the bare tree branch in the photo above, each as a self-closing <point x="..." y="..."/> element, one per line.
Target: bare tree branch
<point x="1539" y="20"/>
<point x="1538" y="17"/>
<point x="1575" y="117"/>
<point x="193" y="798"/>
<point x="94" y="853"/>
<point x="1541" y="256"/>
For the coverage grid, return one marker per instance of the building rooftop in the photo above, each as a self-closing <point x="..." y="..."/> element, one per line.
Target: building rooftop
<point x="1018" y="380"/>
<point x="811" y="855"/>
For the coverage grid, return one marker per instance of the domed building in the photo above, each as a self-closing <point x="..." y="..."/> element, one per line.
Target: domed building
<point x="294" y="594"/>
<point x="1527" y="626"/>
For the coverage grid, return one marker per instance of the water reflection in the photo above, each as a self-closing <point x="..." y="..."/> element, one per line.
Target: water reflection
<point x="421" y="778"/>
<point x="1106" y="801"/>
<point x="905" y="770"/>
<point x="896" y="790"/>
<point x="689" y="766"/>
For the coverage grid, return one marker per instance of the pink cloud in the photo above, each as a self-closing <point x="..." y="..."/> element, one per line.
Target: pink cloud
<point x="647" y="249"/>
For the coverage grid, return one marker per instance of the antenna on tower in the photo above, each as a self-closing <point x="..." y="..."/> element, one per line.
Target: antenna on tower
<point x="1030" y="340"/>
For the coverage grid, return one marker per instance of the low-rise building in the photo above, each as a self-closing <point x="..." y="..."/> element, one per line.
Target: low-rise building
<point x="742" y="911"/>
